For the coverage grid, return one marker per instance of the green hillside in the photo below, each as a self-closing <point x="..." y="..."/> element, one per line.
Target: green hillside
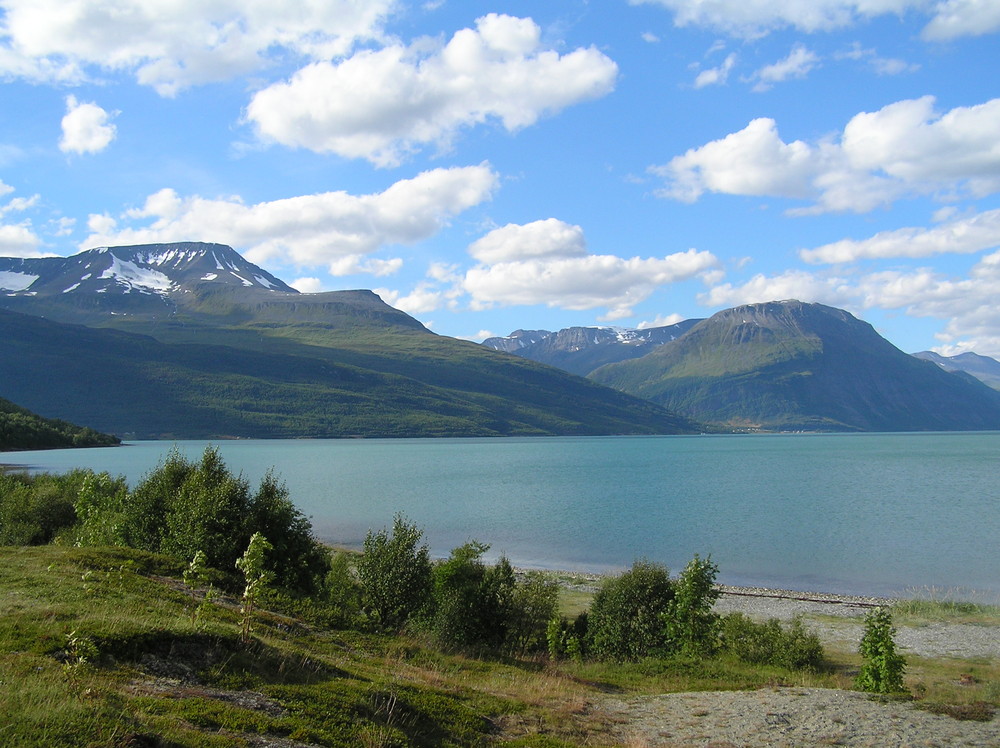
<point x="391" y="381"/>
<point x="22" y="429"/>
<point x="795" y="366"/>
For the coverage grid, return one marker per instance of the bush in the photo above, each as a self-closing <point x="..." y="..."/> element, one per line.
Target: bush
<point x="395" y="575"/>
<point x="626" y="620"/>
<point x="34" y="509"/>
<point x="882" y="669"/>
<point x="472" y="601"/>
<point x="691" y="627"/>
<point x="534" y="603"/>
<point x="770" y="644"/>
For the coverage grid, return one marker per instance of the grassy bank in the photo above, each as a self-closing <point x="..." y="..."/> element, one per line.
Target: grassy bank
<point x="108" y="647"/>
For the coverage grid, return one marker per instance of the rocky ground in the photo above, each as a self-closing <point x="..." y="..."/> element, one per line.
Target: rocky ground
<point x="790" y="716"/>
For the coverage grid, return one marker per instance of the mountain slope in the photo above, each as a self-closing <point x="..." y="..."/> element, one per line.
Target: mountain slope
<point x="240" y="354"/>
<point x="983" y="368"/>
<point x="580" y="350"/>
<point x="789" y="365"/>
<point x="22" y="429"/>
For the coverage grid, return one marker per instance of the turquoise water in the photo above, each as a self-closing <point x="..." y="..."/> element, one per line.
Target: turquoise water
<point x="853" y="513"/>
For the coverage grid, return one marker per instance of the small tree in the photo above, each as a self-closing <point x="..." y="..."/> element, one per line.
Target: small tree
<point x="690" y="625"/>
<point x="395" y="574"/>
<point x="882" y="669"/>
<point x="251" y="564"/>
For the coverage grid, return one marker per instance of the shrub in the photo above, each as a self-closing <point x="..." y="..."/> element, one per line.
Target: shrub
<point x="691" y="627"/>
<point x="534" y="603"/>
<point x="626" y="620"/>
<point x="882" y="668"/>
<point x="298" y="561"/>
<point x="770" y="644"/>
<point x="395" y="575"/>
<point x="34" y="509"/>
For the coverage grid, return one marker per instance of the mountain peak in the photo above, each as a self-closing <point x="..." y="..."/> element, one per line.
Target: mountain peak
<point x="144" y="269"/>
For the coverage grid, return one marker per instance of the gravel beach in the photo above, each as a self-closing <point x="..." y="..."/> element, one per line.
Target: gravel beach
<point x="793" y="717"/>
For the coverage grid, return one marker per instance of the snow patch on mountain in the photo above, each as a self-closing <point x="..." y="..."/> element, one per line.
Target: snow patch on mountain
<point x="10" y="281"/>
<point x="132" y="276"/>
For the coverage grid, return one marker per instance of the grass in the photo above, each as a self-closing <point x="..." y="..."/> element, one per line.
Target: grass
<point x="103" y="647"/>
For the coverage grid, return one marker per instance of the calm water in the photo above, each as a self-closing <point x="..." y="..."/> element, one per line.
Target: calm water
<point x="861" y="513"/>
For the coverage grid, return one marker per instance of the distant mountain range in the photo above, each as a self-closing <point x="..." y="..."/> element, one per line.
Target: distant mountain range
<point x="580" y="350"/>
<point x="983" y="368"/>
<point x="778" y="366"/>
<point x="190" y="340"/>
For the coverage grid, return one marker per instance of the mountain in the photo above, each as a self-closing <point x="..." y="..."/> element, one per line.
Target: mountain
<point x="983" y="368"/>
<point x="192" y="341"/>
<point x="794" y="366"/>
<point x="22" y="429"/>
<point x="580" y="350"/>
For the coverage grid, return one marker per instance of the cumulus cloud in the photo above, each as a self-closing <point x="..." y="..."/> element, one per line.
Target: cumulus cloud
<point x="961" y="236"/>
<point x="716" y="76"/>
<point x="19" y="240"/>
<point x="904" y="149"/>
<point x="548" y="238"/>
<point x="307" y="284"/>
<point x="950" y="19"/>
<point x="797" y="65"/>
<point x="173" y="45"/>
<point x="957" y="18"/>
<point x="86" y="128"/>
<point x="792" y="284"/>
<point x="382" y="105"/>
<point x="334" y="229"/>
<point x="424" y="298"/>
<point x="512" y="271"/>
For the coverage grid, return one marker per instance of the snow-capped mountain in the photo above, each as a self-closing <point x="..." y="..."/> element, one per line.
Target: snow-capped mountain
<point x="149" y="269"/>
<point x="580" y="350"/>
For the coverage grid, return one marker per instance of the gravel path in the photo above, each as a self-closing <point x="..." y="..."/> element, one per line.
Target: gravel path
<point x="793" y="717"/>
<point x="787" y="717"/>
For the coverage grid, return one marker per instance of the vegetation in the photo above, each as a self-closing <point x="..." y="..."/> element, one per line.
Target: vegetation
<point x="22" y="429"/>
<point x="285" y="366"/>
<point x="882" y="668"/>
<point x="116" y="646"/>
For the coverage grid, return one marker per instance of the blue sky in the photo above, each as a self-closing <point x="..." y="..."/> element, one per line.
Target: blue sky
<point x="493" y="166"/>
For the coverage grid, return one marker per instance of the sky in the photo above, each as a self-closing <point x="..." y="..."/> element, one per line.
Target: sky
<point x="489" y="166"/>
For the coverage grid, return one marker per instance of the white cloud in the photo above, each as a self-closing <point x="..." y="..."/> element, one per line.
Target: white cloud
<point x="792" y="284"/>
<point x="753" y="161"/>
<point x="170" y="45"/>
<point x="309" y="230"/>
<point x="385" y="104"/>
<point x="357" y="265"/>
<point x="651" y="38"/>
<point x="662" y="320"/>
<point x="962" y="236"/>
<point x="950" y="19"/>
<point x="86" y="128"/>
<point x="957" y="18"/>
<point x="797" y="64"/>
<point x="904" y="149"/>
<point x="421" y="300"/>
<point x="548" y="238"/>
<point x="752" y="18"/>
<point x="716" y="76"/>
<point x="307" y="285"/>
<point x="579" y="282"/>
<point x="19" y="240"/>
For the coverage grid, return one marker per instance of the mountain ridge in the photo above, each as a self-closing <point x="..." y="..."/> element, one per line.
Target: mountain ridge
<point x="238" y="355"/>
<point x="794" y="366"/>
